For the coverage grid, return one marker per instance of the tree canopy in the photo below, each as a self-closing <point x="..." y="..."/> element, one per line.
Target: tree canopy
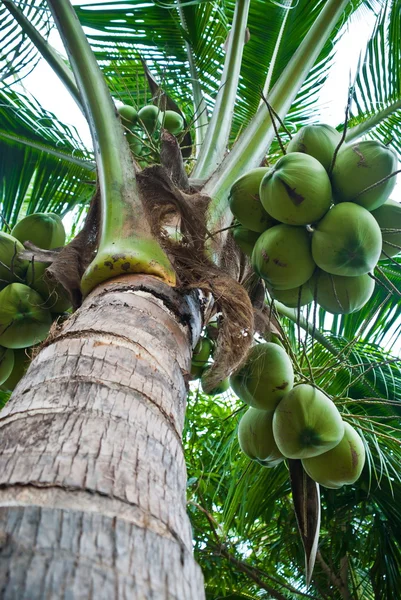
<point x="246" y="536"/>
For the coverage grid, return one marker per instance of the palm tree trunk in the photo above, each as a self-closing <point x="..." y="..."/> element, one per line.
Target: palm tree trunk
<point x="92" y="472"/>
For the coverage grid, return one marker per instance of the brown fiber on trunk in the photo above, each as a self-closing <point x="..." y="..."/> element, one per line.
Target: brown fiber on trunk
<point x="92" y="472"/>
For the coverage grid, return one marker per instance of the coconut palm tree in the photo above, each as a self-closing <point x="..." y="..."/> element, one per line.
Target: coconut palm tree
<point x="93" y="476"/>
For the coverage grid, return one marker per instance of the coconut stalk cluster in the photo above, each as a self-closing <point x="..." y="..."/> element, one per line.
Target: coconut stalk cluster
<point x="29" y="300"/>
<point x="316" y="224"/>
<point x="293" y="421"/>
<point x="142" y="128"/>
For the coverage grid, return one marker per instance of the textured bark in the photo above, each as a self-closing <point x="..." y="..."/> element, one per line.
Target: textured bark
<point x="92" y="472"/>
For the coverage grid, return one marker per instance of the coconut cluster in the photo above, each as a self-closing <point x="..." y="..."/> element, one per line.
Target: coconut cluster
<point x="298" y="422"/>
<point x="142" y="127"/>
<point x="29" y="300"/>
<point x="315" y="226"/>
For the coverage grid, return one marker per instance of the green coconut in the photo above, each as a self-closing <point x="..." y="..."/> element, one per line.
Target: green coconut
<point x="21" y="364"/>
<point x="341" y="295"/>
<point x="173" y="122"/>
<point x="245" y="202"/>
<point x="347" y="241"/>
<point x="196" y="371"/>
<point x="282" y="257"/>
<point x="11" y="267"/>
<point x="55" y="298"/>
<point x="128" y="114"/>
<point x="306" y="423"/>
<point x="340" y="466"/>
<point x="297" y="190"/>
<point x="45" y="230"/>
<point x="388" y="217"/>
<point x="135" y="143"/>
<point x="264" y="377"/>
<point x="319" y="141"/>
<point x="255" y="437"/>
<point x="294" y="297"/>
<point x="220" y="388"/>
<point x="202" y="351"/>
<point x="360" y="165"/>
<point x="6" y="363"/>
<point x="245" y="238"/>
<point x="150" y="117"/>
<point x="23" y="319"/>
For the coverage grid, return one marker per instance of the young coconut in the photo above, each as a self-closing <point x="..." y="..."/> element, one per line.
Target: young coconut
<point x="255" y="437"/>
<point x="388" y="217"/>
<point x="360" y="165"/>
<point x="150" y="118"/>
<point x="220" y="388"/>
<point x="306" y="423"/>
<point x="340" y="466"/>
<point x="11" y="267"/>
<point x="319" y="141"/>
<point x="128" y="114"/>
<point x="45" y="230"/>
<point x="202" y="351"/>
<point x="245" y="202"/>
<point x="246" y="239"/>
<point x="135" y="143"/>
<point x="299" y="296"/>
<point x="341" y="295"/>
<point x="173" y="122"/>
<point x="6" y="363"/>
<point x="297" y="190"/>
<point x="347" y="241"/>
<point x="23" y="319"/>
<point x="282" y="257"/>
<point x="21" y="364"/>
<point x="264" y="377"/>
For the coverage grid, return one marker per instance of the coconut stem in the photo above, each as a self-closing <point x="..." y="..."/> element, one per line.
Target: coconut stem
<point x="342" y="140"/>
<point x="370" y="187"/>
<point x="272" y="115"/>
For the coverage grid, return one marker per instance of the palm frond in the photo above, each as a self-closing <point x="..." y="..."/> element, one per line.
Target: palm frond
<point x="44" y="165"/>
<point x="377" y="95"/>
<point x="18" y="56"/>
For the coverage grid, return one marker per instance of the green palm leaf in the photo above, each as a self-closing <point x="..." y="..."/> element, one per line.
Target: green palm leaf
<point x="18" y="56"/>
<point x="377" y="85"/>
<point x="44" y="163"/>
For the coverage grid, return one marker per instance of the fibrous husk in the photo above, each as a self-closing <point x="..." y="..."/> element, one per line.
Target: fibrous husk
<point x="255" y="437"/>
<point x="264" y="377"/>
<point x="319" y="141"/>
<point x="294" y="297"/>
<point x="6" y="363"/>
<point x="245" y="238"/>
<point x="282" y="257"/>
<point x="306" y="423"/>
<point x="388" y="217"/>
<point x="340" y="466"/>
<point x="22" y="360"/>
<point x="12" y="266"/>
<point x="347" y="241"/>
<point x="360" y="165"/>
<point x="341" y="295"/>
<point x="245" y="203"/>
<point x="297" y="190"/>
<point x="45" y="230"/>
<point x="23" y="319"/>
